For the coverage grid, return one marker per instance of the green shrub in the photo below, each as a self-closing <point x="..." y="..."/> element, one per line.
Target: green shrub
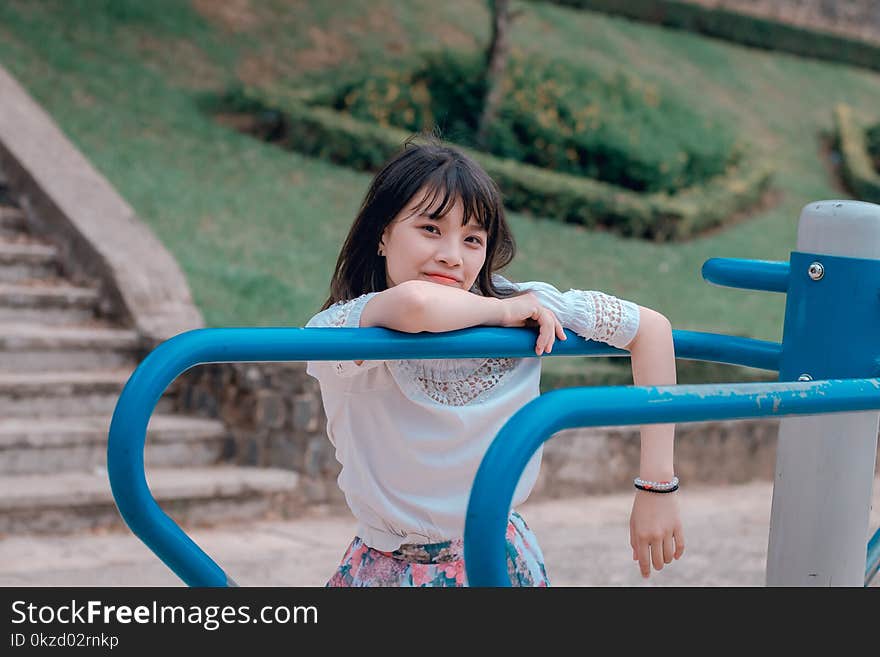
<point x="555" y="116"/>
<point x="852" y="140"/>
<point x="872" y="139"/>
<point x="337" y="136"/>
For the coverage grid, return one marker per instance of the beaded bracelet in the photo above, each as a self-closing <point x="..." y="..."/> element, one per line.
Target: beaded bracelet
<point x="656" y="486"/>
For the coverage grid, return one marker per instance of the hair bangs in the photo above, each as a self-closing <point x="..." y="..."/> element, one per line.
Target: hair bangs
<point x="450" y="185"/>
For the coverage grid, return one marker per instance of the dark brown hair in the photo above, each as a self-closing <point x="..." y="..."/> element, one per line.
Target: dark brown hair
<point x="441" y="170"/>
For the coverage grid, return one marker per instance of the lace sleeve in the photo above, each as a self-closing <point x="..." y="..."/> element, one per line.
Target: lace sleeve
<point x="592" y="315"/>
<point x="614" y="321"/>
<point x="344" y="314"/>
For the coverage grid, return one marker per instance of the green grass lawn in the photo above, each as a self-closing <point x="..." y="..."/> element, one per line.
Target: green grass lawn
<point x="257" y="229"/>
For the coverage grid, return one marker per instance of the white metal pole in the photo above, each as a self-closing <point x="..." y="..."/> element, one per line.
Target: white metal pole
<point x="825" y="463"/>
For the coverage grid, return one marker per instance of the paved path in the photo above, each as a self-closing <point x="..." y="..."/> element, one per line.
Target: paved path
<point x="585" y="542"/>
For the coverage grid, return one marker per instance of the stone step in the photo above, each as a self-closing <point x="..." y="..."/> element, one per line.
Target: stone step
<point x="12" y="221"/>
<point x="47" y="302"/>
<point x="54" y="393"/>
<point x="38" y="348"/>
<point x="75" y="501"/>
<point x="27" y="260"/>
<point x="48" y="445"/>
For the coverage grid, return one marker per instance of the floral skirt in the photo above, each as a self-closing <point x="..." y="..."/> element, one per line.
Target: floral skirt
<point x="438" y="564"/>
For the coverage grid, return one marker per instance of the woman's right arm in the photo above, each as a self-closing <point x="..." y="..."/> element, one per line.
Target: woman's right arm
<point x="416" y="306"/>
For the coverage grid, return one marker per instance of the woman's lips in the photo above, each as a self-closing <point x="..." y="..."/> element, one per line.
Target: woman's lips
<point x="442" y="279"/>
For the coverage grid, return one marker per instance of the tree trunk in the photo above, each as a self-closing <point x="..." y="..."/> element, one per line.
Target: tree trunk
<point x="496" y="65"/>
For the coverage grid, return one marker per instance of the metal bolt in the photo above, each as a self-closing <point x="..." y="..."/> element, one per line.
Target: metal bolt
<point x="817" y="271"/>
<point x="805" y="377"/>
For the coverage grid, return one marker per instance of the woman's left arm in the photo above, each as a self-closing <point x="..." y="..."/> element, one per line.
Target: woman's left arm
<point x="656" y="534"/>
<point x="652" y="355"/>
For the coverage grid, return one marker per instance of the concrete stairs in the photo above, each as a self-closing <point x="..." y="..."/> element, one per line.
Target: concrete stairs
<point x="63" y="363"/>
<point x="46" y="302"/>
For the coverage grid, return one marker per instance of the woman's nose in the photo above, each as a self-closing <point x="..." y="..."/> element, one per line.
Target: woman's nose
<point x="450" y="256"/>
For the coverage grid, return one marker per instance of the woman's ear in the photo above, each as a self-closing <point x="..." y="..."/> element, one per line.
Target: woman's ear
<point x="382" y="238"/>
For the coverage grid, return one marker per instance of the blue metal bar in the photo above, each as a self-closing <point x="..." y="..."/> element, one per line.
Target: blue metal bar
<point x="128" y="427"/>
<point x="534" y="423"/>
<point x="873" y="564"/>
<point x="766" y="275"/>
<point x="729" y="349"/>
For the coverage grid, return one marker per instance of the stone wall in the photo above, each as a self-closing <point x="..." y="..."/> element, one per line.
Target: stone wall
<point x="855" y="18"/>
<point x="275" y="417"/>
<point x="605" y="459"/>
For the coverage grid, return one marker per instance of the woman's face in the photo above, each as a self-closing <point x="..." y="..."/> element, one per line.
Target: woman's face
<point x="439" y="250"/>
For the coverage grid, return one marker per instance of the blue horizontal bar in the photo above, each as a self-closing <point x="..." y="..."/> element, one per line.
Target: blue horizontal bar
<point x="729" y="349"/>
<point x="766" y="275"/>
<point x="298" y="344"/>
<point x="534" y="423"/>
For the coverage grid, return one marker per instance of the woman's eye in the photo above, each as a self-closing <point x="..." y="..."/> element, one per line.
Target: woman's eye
<point x="430" y="226"/>
<point x="476" y="240"/>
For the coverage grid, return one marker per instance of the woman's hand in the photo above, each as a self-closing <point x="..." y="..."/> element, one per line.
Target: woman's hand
<point x="526" y="310"/>
<point x="654" y="526"/>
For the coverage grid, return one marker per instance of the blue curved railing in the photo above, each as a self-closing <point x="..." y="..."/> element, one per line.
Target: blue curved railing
<point x="128" y="427"/>
<point x="487" y="510"/>
<point x="501" y="468"/>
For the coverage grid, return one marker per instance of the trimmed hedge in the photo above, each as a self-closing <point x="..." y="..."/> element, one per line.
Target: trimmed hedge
<point x="553" y="115"/>
<point x="856" y="166"/>
<point x="872" y="135"/>
<point x="741" y="28"/>
<point x="340" y="138"/>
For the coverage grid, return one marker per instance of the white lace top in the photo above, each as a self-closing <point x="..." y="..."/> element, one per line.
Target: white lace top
<point x="410" y="434"/>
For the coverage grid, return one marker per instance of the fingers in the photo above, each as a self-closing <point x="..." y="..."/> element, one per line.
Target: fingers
<point x="668" y="550"/>
<point x="550" y="328"/>
<point x="657" y="554"/>
<point x="539" y="345"/>
<point x="560" y="331"/>
<point x="645" y="559"/>
<point x="544" y="343"/>
<point x="545" y="335"/>
<point x="679" y="542"/>
<point x="657" y="551"/>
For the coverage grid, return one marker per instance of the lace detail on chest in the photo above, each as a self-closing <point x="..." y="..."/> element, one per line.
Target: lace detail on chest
<point x="452" y="382"/>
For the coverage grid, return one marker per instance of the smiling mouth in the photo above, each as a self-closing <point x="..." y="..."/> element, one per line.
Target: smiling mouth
<point x="442" y="279"/>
